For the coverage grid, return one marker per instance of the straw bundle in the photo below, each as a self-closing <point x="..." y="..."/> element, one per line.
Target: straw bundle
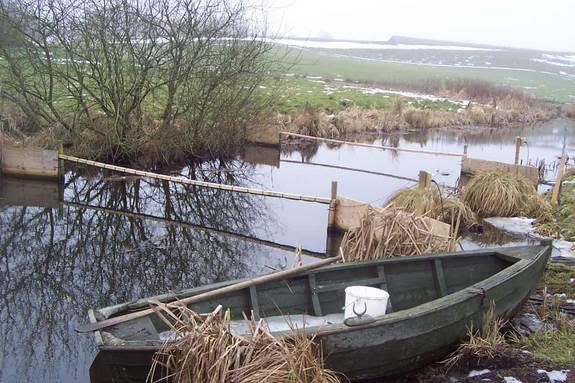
<point x="502" y="194"/>
<point x="391" y="232"/>
<point x="204" y="350"/>
<point x="430" y="202"/>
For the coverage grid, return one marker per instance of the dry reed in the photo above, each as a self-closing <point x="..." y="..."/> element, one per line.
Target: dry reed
<point x="503" y="194"/>
<point x="431" y="203"/>
<point x="203" y="349"/>
<point x="486" y="343"/>
<point x="391" y="232"/>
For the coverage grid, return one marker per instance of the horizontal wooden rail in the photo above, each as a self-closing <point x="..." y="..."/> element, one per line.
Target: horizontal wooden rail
<point x="351" y="170"/>
<point x="374" y="146"/>
<point x="187" y="181"/>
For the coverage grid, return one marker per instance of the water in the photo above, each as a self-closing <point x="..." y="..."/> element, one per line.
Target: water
<point x="117" y="238"/>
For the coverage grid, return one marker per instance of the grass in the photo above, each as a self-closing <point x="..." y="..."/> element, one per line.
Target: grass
<point x="503" y="194"/>
<point x="486" y="343"/>
<point x="391" y="232"/>
<point x="429" y="201"/>
<point x="548" y="86"/>
<point x="557" y="279"/>
<point x="557" y="347"/>
<point x="203" y="349"/>
<point x="563" y="222"/>
<point x="296" y="93"/>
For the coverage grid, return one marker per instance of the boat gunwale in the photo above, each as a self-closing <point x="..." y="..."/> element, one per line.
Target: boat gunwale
<point x="423" y="309"/>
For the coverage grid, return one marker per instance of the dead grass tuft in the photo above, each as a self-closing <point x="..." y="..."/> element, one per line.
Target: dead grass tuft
<point x="503" y="194"/>
<point x="484" y="344"/>
<point x="203" y="349"/>
<point x="431" y="203"/>
<point x="392" y="232"/>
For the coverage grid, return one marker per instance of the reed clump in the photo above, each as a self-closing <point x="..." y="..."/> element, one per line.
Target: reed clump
<point x="431" y="203"/>
<point x="392" y="232"/>
<point x="486" y="343"/>
<point x="502" y="194"/>
<point x="203" y="349"/>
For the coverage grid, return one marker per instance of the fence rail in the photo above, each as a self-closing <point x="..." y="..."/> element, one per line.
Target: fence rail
<point x="374" y="146"/>
<point x="187" y="181"/>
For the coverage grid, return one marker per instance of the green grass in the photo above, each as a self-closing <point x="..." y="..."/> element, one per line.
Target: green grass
<point x="293" y="94"/>
<point x="546" y="85"/>
<point x="557" y="347"/>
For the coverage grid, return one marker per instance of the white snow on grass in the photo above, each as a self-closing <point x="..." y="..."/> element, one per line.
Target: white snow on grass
<point x="555" y="376"/>
<point x="524" y="226"/>
<point x="515" y="225"/>
<point x="473" y="373"/>
<point x="428" y="97"/>
<point x="334" y="44"/>
<point x="510" y="379"/>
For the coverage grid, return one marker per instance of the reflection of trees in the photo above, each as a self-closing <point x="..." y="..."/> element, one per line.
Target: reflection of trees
<point x="54" y="267"/>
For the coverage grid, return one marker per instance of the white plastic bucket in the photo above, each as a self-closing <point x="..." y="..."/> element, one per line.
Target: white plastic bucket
<point x="362" y="296"/>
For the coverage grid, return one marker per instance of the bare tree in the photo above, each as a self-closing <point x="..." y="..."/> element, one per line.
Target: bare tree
<point x="136" y="72"/>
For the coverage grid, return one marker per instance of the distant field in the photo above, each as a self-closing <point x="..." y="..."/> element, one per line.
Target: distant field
<point x="293" y="94"/>
<point x="547" y="76"/>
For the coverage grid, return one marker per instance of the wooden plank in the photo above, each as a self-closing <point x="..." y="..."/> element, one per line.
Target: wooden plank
<point x="472" y="166"/>
<point x="342" y="286"/>
<point x="314" y="295"/>
<point x="29" y="192"/>
<point x="28" y="162"/>
<point x="261" y="155"/>
<point x="254" y="302"/>
<point x="349" y="212"/>
<point x="440" y="277"/>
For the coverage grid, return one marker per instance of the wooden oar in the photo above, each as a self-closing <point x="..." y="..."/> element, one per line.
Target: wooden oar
<point x="209" y="294"/>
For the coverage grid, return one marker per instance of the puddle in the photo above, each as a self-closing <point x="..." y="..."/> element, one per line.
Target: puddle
<point x="117" y="238"/>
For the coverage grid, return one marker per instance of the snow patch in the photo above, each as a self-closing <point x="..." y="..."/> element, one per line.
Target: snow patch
<point x="515" y="225"/>
<point x="555" y="376"/>
<point x="428" y="97"/>
<point x="334" y="44"/>
<point x="473" y="373"/>
<point x="510" y="379"/>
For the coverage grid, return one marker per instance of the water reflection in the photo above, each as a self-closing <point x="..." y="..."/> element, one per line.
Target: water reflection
<point x="118" y="238"/>
<point x="55" y="264"/>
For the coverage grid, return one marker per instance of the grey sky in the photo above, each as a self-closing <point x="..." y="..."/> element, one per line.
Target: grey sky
<point x="519" y="23"/>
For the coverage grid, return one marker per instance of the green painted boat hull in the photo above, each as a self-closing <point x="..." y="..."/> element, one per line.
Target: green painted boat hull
<point x="434" y="300"/>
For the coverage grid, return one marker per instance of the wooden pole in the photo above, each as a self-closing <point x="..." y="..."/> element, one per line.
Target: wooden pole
<point x="332" y="206"/>
<point x="187" y="181"/>
<point x="465" y="150"/>
<point x="279" y="275"/>
<point x="424" y="180"/>
<point x="372" y="146"/>
<point x="333" y="190"/>
<point x="558" y="179"/>
<point x="518" y="143"/>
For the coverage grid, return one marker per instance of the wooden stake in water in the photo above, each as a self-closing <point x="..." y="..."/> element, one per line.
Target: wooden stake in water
<point x="424" y="180"/>
<point x="558" y="179"/>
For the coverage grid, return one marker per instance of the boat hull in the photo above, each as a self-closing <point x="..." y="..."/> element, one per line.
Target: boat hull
<point x="395" y="343"/>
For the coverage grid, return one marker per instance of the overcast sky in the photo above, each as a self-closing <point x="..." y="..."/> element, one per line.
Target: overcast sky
<point x="538" y="24"/>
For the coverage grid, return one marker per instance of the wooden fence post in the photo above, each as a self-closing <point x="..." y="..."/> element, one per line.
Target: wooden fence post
<point x="332" y="206"/>
<point x="518" y="143"/>
<point x="558" y="179"/>
<point x="424" y="180"/>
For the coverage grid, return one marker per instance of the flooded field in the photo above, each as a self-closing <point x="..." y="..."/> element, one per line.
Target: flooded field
<point x="106" y="238"/>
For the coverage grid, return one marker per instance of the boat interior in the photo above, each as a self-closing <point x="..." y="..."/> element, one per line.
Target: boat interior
<point x="318" y="296"/>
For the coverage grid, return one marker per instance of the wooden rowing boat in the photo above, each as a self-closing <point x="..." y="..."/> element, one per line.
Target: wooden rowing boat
<point x="434" y="299"/>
